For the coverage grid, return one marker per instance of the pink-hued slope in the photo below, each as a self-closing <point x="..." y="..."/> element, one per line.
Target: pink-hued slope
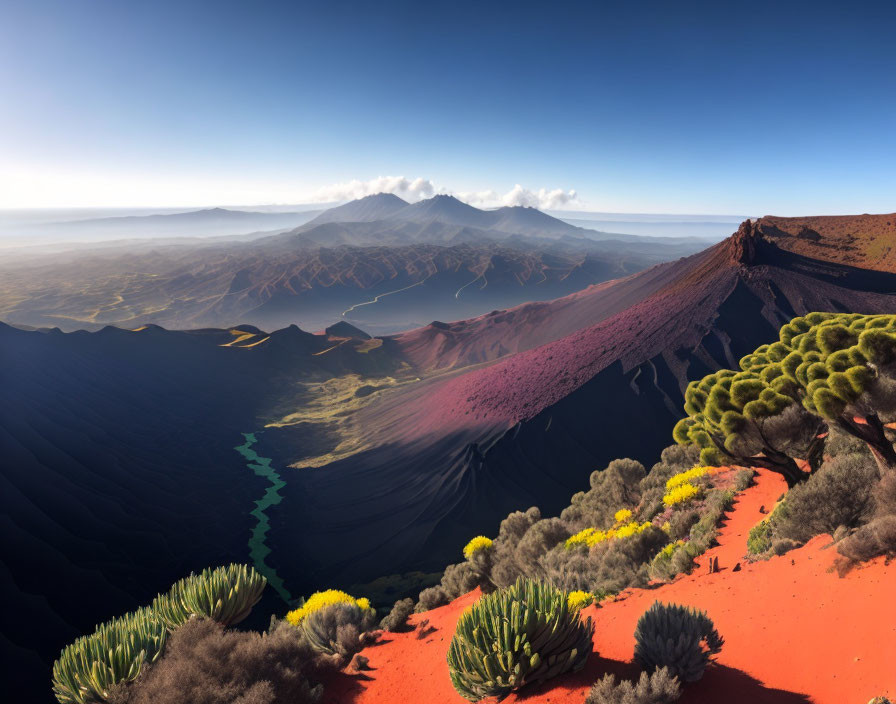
<point x="795" y="632"/>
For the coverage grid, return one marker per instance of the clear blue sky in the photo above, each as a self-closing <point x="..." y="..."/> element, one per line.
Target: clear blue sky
<point x="711" y="107"/>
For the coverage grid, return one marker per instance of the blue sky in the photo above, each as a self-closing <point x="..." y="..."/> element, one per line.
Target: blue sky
<point x="681" y="107"/>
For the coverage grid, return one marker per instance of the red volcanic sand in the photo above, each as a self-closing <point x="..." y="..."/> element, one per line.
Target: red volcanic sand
<point x="794" y="631"/>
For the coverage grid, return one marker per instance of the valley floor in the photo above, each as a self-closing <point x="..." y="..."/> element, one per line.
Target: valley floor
<point x="795" y="631"/>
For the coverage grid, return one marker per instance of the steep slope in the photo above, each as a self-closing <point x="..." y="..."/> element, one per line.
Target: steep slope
<point x="119" y="470"/>
<point x="776" y="618"/>
<point x="528" y="428"/>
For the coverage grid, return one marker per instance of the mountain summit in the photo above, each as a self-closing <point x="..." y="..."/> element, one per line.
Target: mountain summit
<point x="379" y="206"/>
<point x="446" y="210"/>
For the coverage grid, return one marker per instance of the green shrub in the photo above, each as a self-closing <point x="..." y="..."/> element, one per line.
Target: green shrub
<point x="608" y="567"/>
<point x="681" y="522"/>
<point x="878" y="536"/>
<point x="397" y="620"/>
<point x="838" y="494"/>
<point x="677" y="637"/>
<point x="115" y="653"/>
<point x="759" y="539"/>
<point x="661" y="687"/>
<point x="340" y="629"/>
<point x="523" y="634"/>
<point x="743" y="479"/>
<point x="224" y="594"/>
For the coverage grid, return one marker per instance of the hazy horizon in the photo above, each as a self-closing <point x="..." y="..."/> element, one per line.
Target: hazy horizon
<point x="85" y="226"/>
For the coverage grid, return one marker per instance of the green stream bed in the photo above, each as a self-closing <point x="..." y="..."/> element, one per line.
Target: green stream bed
<point x="258" y="549"/>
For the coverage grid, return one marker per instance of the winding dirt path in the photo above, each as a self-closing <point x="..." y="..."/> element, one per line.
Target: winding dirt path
<point x="795" y="632"/>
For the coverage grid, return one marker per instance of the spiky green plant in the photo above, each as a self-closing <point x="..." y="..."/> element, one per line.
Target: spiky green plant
<point x="523" y="634"/>
<point x="114" y="653"/>
<point x="225" y="594"/>
<point x="677" y="637"/>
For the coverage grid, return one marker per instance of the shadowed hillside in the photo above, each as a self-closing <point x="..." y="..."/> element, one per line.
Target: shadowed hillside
<point x="120" y="473"/>
<point x="528" y="429"/>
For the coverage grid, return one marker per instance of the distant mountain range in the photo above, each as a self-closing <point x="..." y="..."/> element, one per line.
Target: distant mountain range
<point x="210" y="222"/>
<point x="388" y="451"/>
<point x="379" y="262"/>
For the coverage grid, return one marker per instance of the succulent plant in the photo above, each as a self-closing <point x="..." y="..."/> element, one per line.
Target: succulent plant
<point x="523" y="634"/>
<point x="225" y="594"/>
<point x="88" y="668"/>
<point x="677" y="637"/>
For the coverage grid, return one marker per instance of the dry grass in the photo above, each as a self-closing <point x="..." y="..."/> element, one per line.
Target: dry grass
<point x="332" y="403"/>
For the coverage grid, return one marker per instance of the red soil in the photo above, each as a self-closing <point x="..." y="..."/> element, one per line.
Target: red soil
<point x="794" y="631"/>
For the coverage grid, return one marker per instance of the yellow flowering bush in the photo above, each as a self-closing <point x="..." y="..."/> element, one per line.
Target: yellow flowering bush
<point x="591" y="536"/>
<point x="630" y="529"/>
<point x="579" y="600"/>
<point x="666" y="527"/>
<point x="686" y="477"/>
<point x="623" y="515"/>
<point x="680" y="494"/>
<point x="319" y="600"/>
<point x="666" y="552"/>
<point x="480" y="542"/>
<point x="587" y="537"/>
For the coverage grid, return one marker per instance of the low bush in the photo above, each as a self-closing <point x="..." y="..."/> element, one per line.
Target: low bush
<point x="616" y="486"/>
<point x="839" y="493"/>
<point x="341" y="629"/>
<point x="458" y="579"/>
<point x="206" y="664"/>
<point x="321" y="600"/>
<point x="579" y="600"/>
<point x="663" y="567"/>
<point x="677" y="637"/>
<point x="681" y="522"/>
<point x="116" y="652"/>
<point x="661" y="687"/>
<point x="681" y="494"/>
<point x="397" y="620"/>
<point x="743" y="479"/>
<point x="871" y="540"/>
<point x="686" y="477"/>
<point x="225" y="594"/>
<point x="609" y="566"/>
<point x="759" y="539"/>
<point x="781" y="546"/>
<point x="516" y="636"/>
<point x="878" y="537"/>
<point x="479" y="543"/>
<point x="431" y="598"/>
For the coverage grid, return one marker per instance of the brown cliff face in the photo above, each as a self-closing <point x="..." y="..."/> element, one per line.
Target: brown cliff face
<point x="741" y="246"/>
<point x="861" y="241"/>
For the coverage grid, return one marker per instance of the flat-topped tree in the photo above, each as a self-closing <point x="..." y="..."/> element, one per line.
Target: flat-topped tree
<point x="845" y="368"/>
<point x="752" y="417"/>
<point x="826" y="368"/>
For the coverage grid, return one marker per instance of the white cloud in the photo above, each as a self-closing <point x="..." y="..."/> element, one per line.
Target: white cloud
<point x="420" y="188"/>
<point x="412" y="190"/>
<point x="542" y="198"/>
